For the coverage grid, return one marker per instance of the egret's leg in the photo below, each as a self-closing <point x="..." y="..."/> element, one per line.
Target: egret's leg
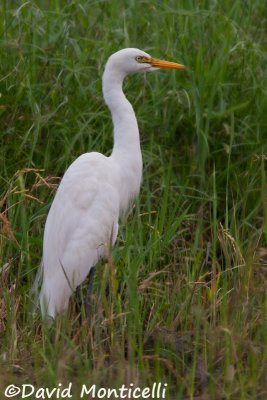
<point x="89" y="291"/>
<point x="78" y="294"/>
<point x="78" y="297"/>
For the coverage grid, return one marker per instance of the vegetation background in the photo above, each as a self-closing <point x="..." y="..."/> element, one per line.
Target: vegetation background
<point x="182" y="300"/>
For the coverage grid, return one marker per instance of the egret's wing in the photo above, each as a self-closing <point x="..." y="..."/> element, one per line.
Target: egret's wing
<point x="79" y="226"/>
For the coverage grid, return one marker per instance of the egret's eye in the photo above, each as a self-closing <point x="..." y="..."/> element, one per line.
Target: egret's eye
<point x="141" y="59"/>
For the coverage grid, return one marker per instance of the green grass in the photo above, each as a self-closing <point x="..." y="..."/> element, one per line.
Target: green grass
<point x="187" y="304"/>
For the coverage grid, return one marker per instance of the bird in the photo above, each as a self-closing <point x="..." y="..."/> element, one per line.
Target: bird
<point x="95" y="191"/>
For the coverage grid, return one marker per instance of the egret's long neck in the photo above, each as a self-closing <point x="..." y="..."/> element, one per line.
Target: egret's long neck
<point x="126" y="133"/>
<point x="126" y="149"/>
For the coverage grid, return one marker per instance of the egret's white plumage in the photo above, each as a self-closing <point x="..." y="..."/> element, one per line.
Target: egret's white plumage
<point x="94" y="192"/>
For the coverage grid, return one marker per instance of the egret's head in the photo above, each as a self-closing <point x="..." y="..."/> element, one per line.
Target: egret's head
<point x="130" y="61"/>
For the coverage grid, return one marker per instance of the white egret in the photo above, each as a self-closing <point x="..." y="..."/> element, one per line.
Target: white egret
<point x="94" y="191"/>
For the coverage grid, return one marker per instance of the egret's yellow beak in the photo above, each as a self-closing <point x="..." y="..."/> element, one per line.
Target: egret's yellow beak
<point x="165" y="64"/>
